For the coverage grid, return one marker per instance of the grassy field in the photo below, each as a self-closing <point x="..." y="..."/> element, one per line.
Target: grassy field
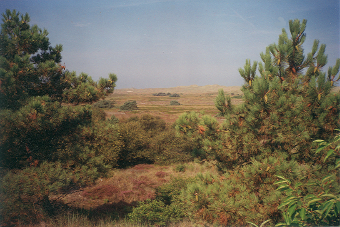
<point x="192" y="98"/>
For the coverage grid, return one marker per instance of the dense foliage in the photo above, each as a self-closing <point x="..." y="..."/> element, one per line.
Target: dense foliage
<point x="47" y="147"/>
<point x="317" y="202"/>
<point x="39" y="140"/>
<point x="83" y="89"/>
<point x="287" y="106"/>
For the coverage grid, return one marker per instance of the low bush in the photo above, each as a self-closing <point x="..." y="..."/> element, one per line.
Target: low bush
<point x="317" y="202"/>
<point x="107" y="104"/>
<point x="135" y="145"/>
<point x="166" y="207"/>
<point x="147" y="139"/>
<point x="180" y="168"/>
<point x="169" y="193"/>
<point x="203" y="131"/>
<point x="98" y="115"/>
<point x="149" y="123"/>
<point x="169" y="148"/>
<point x="113" y="120"/>
<point x="25" y="193"/>
<point x="129" y="105"/>
<point x="174" y="103"/>
<point x="160" y="94"/>
<point x="174" y="95"/>
<point x="245" y="194"/>
<point x="36" y="131"/>
<point x="155" y="212"/>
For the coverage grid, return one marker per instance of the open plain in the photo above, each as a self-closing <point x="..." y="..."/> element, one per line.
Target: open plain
<point x="192" y="98"/>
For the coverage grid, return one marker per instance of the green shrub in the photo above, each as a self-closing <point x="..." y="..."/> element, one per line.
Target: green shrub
<point x="129" y="105"/>
<point x="180" y="168"/>
<point x="25" y="193"/>
<point x="203" y="131"/>
<point x="36" y="131"/>
<point x="316" y="202"/>
<point x="156" y="212"/>
<point x="174" y="103"/>
<point x="160" y="94"/>
<point x="148" y="138"/>
<point x="83" y="89"/>
<point x="245" y="194"/>
<point x="107" y="104"/>
<point x="98" y="115"/>
<point x="174" y="95"/>
<point x="169" y="148"/>
<point x="152" y="124"/>
<point x="169" y="193"/>
<point x="96" y="146"/>
<point x="113" y="120"/>
<point x="166" y="207"/>
<point x="135" y="144"/>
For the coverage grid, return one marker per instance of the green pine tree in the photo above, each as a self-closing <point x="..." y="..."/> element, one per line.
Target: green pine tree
<point x="288" y="105"/>
<point x="29" y="66"/>
<point x="33" y="122"/>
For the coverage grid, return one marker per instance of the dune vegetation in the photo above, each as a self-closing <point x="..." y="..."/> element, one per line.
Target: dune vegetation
<point x="74" y="152"/>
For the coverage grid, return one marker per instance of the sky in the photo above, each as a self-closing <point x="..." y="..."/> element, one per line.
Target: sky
<point x="169" y="43"/>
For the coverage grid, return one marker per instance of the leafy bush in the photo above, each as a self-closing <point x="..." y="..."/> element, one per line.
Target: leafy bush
<point x="316" y="202"/>
<point x="202" y="130"/>
<point x="35" y="132"/>
<point x="180" y="168"/>
<point x="156" y="212"/>
<point x="135" y="145"/>
<point x="98" y="115"/>
<point x="245" y="194"/>
<point x="150" y="123"/>
<point x="174" y="103"/>
<point x="148" y="140"/>
<point x="107" y="104"/>
<point x="97" y="146"/>
<point x="169" y="193"/>
<point x="25" y="193"/>
<point x="174" y="95"/>
<point x="129" y="105"/>
<point x="166" y="207"/>
<point x="113" y="120"/>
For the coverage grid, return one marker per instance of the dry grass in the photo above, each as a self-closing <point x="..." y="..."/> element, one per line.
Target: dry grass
<point x="126" y="187"/>
<point x="192" y="98"/>
<point x="75" y="220"/>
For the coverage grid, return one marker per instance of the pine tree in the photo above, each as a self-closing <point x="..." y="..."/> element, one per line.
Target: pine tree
<point x="33" y="122"/>
<point x="223" y="103"/>
<point x="29" y="66"/>
<point x="83" y="89"/>
<point x="288" y="105"/>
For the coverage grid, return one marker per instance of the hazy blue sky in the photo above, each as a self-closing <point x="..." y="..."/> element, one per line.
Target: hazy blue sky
<point x="167" y="43"/>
